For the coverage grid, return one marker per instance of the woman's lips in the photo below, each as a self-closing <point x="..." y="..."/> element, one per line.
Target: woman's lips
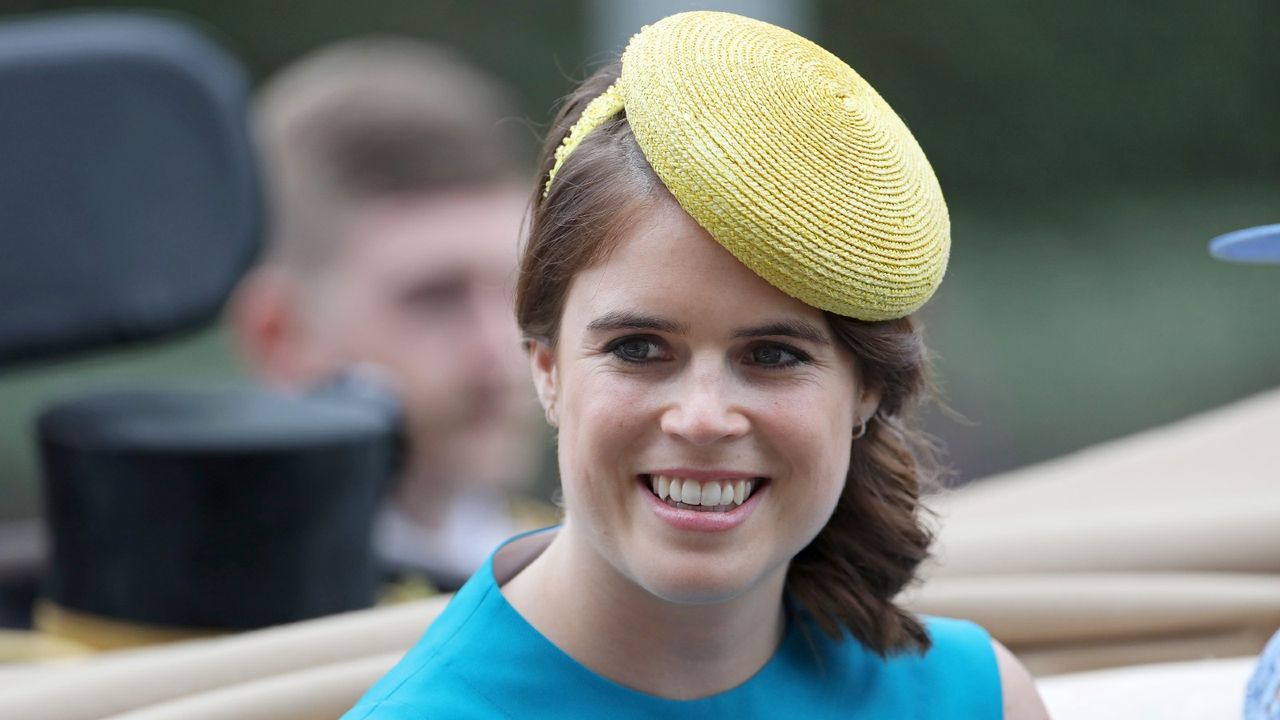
<point x="713" y="502"/>
<point x="717" y="494"/>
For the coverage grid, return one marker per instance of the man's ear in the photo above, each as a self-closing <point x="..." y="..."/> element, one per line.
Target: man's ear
<point x="266" y="318"/>
<point x="542" y="364"/>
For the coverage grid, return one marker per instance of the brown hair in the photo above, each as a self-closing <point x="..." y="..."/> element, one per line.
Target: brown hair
<point x="372" y="119"/>
<point x="848" y="577"/>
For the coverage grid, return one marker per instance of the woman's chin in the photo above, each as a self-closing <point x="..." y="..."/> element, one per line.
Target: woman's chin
<point x="695" y="583"/>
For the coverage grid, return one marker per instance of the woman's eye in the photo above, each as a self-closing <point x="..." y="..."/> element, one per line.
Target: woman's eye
<point x="635" y="350"/>
<point x="776" y="356"/>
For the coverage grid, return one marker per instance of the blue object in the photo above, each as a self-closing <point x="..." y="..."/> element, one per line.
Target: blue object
<point x="1253" y="245"/>
<point x="481" y="659"/>
<point x="1262" y="696"/>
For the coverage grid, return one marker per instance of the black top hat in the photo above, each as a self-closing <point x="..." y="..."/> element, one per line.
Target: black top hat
<point x="206" y="509"/>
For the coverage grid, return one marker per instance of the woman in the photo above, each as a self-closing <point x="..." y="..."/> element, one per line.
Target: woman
<point x="733" y="231"/>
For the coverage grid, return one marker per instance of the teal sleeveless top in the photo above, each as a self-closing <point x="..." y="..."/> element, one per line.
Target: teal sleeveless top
<point x="481" y="659"/>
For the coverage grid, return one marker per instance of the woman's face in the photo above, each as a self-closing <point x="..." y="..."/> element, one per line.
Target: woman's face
<point x="676" y="365"/>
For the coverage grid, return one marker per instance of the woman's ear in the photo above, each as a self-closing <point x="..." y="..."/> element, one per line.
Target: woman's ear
<point x="542" y="364"/>
<point x="867" y="404"/>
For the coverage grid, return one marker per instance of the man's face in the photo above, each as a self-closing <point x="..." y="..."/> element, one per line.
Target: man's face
<point x="423" y="287"/>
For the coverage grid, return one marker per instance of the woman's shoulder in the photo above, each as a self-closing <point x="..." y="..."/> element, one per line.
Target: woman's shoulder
<point x="958" y="677"/>
<point x="955" y="647"/>
<point x="959" y="642"/>
<point x="438" y="693"/>
<point x="970" y="674"/>
<point x="961" y="661"/>
<point x="426" y="681"/>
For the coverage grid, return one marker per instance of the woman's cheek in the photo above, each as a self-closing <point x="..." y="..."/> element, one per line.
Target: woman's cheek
<point x="810" y="431"/>
<point x="615" y="400"/>
<point x="602" y="414"/>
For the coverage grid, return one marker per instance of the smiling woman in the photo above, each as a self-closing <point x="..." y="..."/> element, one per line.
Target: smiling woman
<point x="659" y="375"/>
<point x="716" y="294"/>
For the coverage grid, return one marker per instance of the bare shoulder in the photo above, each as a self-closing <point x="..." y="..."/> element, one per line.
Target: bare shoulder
<point x="1021" y="700"/>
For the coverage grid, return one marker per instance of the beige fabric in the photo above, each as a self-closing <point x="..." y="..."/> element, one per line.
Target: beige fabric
<point x="1055" y="658"/>
<point x="319" y="693"/>
<point x="1105" y="606"/>
<point x="1063" y="622"/>
<point x="18" y="674"/>
<point x="1201" y="494"/>
<point x="1204" y="690"/>
<point x="25" y="645"/>
<point x="1157" y="547"/>
<point x="127" y="680"/>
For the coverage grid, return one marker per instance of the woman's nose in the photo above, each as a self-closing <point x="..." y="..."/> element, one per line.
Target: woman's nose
<point x="705" y="409"/>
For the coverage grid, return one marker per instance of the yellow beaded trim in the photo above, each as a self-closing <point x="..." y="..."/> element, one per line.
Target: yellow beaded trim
<point x="603" y="107"/>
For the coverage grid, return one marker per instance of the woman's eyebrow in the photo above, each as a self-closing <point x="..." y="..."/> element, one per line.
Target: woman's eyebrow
<point x="624" y="320"/>
<point x="799" y="329"/>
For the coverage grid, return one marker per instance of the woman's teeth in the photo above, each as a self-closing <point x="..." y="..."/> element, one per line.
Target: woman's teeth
<point x="710" y="494"/>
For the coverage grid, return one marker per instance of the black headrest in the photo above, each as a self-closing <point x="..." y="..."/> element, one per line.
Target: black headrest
<point x="129" y="202"/>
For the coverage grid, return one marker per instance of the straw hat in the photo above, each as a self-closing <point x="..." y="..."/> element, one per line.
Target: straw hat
<point x="787" y="157"/>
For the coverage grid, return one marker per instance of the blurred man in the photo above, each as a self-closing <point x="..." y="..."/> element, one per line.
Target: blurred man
<point x="397" y="200"/>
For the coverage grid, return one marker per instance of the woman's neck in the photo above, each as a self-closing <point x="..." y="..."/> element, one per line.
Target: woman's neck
<point x="620" y="631"/>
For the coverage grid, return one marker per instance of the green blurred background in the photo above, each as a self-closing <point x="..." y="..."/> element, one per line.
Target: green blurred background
<point x="1089" y="150"/>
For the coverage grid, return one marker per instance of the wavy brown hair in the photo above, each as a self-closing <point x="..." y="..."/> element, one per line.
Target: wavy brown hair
<point x="848" y="576"/>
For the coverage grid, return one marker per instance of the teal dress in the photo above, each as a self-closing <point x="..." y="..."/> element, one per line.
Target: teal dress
<point x="481" y="659"/>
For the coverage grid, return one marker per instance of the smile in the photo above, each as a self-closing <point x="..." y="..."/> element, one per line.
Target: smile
<point x="702" y="495"/>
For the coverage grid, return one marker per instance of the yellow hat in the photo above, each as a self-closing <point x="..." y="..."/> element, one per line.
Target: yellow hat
<point x="787" y="157"/>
